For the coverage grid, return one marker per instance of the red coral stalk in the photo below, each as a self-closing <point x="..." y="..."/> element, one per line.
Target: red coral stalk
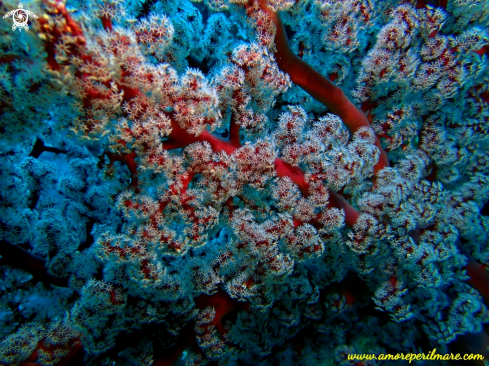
<point x="316" y="85"/>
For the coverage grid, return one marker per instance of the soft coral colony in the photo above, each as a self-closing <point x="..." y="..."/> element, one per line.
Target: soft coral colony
<point x="243" y="182"/>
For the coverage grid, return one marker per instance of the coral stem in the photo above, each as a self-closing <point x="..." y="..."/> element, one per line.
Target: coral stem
<point x="316" y="85"/>
<point x="20" y="258"/>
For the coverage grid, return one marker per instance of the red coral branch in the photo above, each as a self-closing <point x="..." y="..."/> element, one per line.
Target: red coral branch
<point x="234" y="132"/>
<point x="72" y="346"/>
<point x="223" y="305"/>
<point x="130" y="160"/>
<point x="296" y="174"/>
<point x="55" y="33"/>
<point x="316" y="85"/>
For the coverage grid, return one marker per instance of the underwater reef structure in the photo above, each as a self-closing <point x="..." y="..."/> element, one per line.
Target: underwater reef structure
<point x="243" y="182"/>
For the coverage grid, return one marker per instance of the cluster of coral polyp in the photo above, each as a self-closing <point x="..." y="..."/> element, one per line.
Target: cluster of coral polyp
<point x="243" y="182"/>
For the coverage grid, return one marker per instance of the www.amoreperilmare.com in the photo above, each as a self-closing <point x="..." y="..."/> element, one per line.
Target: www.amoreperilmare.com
<point x="417" y="356"/>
